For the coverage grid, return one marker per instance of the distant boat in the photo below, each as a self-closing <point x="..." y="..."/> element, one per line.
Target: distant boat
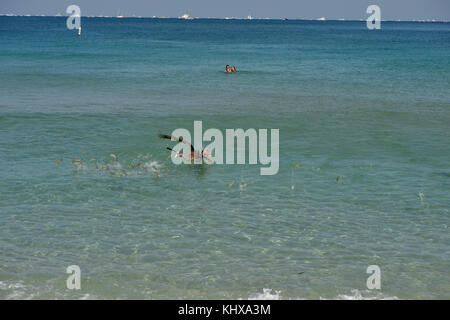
<point x="119" y="15"/>
<point x="186" y="16"/>
<point x="249" y="17"/>
<point x="321" y="19"/>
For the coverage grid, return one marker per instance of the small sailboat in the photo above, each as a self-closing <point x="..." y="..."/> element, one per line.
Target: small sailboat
<point x="186" y="16"/>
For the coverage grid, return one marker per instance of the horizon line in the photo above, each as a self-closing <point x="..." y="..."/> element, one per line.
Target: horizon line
<point x="217" y="18"/>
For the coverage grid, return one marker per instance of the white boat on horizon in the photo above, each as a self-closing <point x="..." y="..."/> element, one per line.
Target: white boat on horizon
<point x="186" y="16"/>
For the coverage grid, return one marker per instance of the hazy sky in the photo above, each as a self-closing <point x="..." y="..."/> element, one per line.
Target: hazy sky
<point x="331" y="9"/>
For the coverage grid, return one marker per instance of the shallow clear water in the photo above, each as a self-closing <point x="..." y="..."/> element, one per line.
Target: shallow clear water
<point x="371" y="107"/>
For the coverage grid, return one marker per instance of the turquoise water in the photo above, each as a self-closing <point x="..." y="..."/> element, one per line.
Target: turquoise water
<point x="370" y="107"/>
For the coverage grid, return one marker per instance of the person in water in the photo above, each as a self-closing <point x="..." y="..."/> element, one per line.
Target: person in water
<point x="233" y="69"/>
<point x="204" y="154"/>
<point x="227" y="69"/>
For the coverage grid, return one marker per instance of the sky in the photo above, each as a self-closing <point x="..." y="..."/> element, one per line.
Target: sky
<point x="307" y="9"/>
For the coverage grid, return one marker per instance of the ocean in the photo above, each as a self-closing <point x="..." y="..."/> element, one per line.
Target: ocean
<point x="364" y="176"/>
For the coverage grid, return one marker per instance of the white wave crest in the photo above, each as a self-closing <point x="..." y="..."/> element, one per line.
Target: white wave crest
<point x="267" y="294"/>
<point x="364" y="295"/>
